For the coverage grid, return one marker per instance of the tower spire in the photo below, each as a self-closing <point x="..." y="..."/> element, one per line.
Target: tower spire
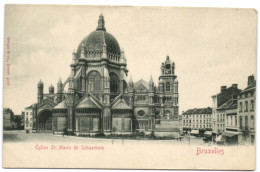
<point x="131" y="79"/>
<point x="151" y="79"/>
<point x="101" y="23"/>
<point x="60" y="82"/>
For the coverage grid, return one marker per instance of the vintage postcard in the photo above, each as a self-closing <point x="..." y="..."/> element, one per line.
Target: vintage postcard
<point x="129" y="87"/>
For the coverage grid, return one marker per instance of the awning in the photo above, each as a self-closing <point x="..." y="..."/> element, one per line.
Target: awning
<point x="229" y="134"/>
<point x="194" y="132"/>
<point x="208" y="133"/>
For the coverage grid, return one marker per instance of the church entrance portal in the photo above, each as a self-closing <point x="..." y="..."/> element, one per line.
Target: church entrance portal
<point x="45" y="121"/>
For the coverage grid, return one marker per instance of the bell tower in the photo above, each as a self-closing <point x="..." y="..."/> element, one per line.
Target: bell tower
<point x="40" y="91"/>
<point x="169" y="89"/>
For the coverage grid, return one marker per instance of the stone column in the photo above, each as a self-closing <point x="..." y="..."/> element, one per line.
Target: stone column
<point x="70" y="119"/>
<point x="83" y="76"/>
<point x="35" y="121"/>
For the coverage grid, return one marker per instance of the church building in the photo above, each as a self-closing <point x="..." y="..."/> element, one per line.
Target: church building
<point x="100" y="99"/>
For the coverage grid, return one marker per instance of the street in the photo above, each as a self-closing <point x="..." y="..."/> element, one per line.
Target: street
<point x="21" y="136"/>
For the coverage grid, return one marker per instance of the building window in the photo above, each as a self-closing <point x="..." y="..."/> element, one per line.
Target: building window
<point x="141" y="113"/>
<point x="246" y="106"/>
<point x="168" y="86"/>
<point x="114" y="83"/>
<point x="156" y="99"/>
<point x="141" y="126"/>
<point x="240" y="107"/>
<point x="252" y="105"/>
<point x="235" y="120"/>
<point x="252" y="122"/>
<point x="246" y="122"/>
<point x="168" y="99"/>
<point x="141" y="97"/>
<point x="94" y="81"/>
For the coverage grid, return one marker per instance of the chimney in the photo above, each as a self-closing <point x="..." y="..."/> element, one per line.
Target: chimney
<point x="234" y="85"/>
<point x="251" y="79"/>
<point x="223" y="88"/>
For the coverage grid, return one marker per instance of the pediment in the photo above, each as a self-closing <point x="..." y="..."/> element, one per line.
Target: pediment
<point x="46" y="104"/>
<point x="141" y="88"/>
<point x="121" y="104"/>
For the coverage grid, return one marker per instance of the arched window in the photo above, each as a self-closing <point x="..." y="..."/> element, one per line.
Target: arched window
<point x="168" y="86"/>
<point x="114" y="83"/>
<point x="94" y="81"/>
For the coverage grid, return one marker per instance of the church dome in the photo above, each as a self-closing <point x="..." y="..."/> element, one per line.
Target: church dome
<point x="40" y="83"/>
<point x="51" y="87"/>
<point x="95" y="41"/>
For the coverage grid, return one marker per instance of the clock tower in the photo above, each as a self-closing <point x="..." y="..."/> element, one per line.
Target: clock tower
<point x="168" y="88"/>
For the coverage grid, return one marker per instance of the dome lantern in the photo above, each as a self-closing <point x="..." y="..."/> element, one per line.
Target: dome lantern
<point x="99" y="41"/>
<point x="101" y="23"/>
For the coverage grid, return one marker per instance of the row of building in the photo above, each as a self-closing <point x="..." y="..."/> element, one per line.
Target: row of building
<point x="231" y="120"/>
<point x="12" y="121"/>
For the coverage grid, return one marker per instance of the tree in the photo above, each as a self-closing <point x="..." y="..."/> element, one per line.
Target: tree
<point x="18" y="121"/>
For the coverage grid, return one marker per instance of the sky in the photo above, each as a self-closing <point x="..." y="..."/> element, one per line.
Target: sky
<point x="211" y="47"/>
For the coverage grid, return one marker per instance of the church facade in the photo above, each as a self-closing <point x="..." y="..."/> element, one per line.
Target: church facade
<point x="100" y="99"/>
